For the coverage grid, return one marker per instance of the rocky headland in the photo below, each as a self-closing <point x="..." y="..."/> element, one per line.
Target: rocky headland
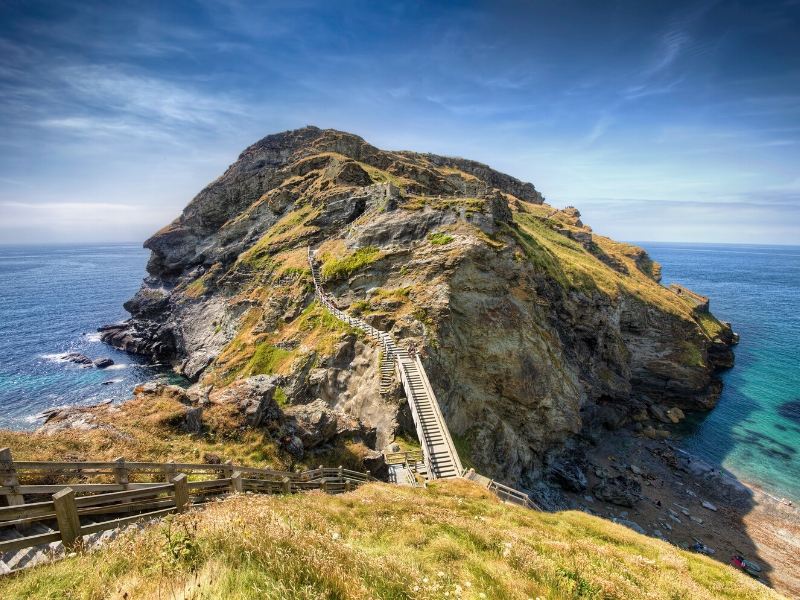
<point x="537" y="334"/>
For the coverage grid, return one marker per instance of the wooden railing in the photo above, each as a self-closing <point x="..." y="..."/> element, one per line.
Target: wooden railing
<point x="504" y="492"/>
<point x="171" y="488"/>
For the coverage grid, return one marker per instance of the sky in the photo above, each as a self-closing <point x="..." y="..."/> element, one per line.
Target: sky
<point x="661" y="120"/>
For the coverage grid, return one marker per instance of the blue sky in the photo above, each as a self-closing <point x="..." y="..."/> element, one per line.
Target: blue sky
<point x="660" y="120"/>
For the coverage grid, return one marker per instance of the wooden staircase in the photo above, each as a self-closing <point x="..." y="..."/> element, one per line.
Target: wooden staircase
<point x="440" y="455"/>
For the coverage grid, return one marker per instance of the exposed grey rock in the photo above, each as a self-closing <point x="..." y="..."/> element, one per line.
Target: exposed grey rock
<point x="375" y="463"/>
<point x="313" y="423"/>
<point x="570" y="472"/>
<point x="631" y="525"/>
<point x="548" y="497"/>
<point x="255" y="397"/>
<point x="193" y="421"/>
<point x="102" y="363"/>
<point x="659" y="413"/>
<point x="619" y="490"/>
<point x="294" y="446"/>
<point x="175" y="392"/>
<point x="78" y="359"/>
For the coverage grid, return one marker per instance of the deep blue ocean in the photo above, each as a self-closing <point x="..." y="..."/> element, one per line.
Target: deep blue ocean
<point x="53" y="298"/>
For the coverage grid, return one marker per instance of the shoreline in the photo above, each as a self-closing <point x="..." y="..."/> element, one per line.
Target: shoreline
<point x="746" y="520"/>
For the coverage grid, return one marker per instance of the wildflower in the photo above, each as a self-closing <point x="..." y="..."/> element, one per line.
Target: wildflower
<point x="481" y="595"/>
<point x="336" y="536"/>
<point x="440" y="574"/>
<point x="425" y="580"/>
<point x="467" y="584"/>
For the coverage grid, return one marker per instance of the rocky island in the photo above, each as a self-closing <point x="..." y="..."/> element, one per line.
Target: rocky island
<point x="560" y="363"/>
<point x="537" y="333"/>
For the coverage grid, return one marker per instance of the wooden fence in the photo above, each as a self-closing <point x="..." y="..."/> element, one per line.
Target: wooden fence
<point x="127" y="498"/>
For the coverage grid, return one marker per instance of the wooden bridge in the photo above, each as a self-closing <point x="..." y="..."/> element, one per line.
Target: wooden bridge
<point x="440" y="458"/>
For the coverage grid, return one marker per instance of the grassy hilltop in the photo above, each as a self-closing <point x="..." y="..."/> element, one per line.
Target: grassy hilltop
<point x="451" y="540"/>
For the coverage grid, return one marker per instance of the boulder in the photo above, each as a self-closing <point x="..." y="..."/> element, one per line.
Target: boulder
<point x="655" y="434"/>
<point x="193" y="421"/>
<point x="675" y="414"/>
<point x="548" y="497"/>
<point x="102" y="363"/>
<point x="294" y="446"/>
<point x="619" y="490"/>
<point x="313" y="423"/>
<point x="631" y="525"/>
<point x="375" y="463"/>
<point x="211" y="459"/>
<point x="660" y="414"/>
<point x="570" y="472"/>
<point x="255" y="396"/>
<point x="78" y="359"/>
<point x="174" y="392"/>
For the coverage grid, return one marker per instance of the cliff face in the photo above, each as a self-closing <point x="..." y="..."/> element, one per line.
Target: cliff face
<point x="535" y="330"/>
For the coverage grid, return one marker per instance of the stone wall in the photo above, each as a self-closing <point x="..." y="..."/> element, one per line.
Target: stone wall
<point x="700" y="301"/>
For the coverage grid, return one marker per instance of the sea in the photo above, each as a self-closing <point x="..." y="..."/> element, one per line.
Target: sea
<point x="754" y="431"/>
<point x="53" y="299"/>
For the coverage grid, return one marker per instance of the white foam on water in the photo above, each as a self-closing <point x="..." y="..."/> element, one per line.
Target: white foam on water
<point x="92" y="337"/>
<point x="115" y="367"/>
<point x="55" y="357"/>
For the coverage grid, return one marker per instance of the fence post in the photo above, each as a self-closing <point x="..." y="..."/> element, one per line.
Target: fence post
<point x="324" y="486"/>
<point x="286" y="487"/>
<point x="341" y="472"/>
<point x="348" y="486"/>
<point x="69" y="525"/>
<point x="227" y="468"/>
<point x="8" y="477"/>
<point x="181" y="492"/>
<point x="236" y="482"/>
<point x="169" y="471"/>
<point x="121" y="473"/>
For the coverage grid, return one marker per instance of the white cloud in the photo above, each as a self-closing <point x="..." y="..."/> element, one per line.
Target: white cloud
<point x="78" y="222"/>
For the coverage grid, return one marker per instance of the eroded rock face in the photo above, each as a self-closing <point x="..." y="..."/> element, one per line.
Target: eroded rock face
<point x="570" y="472"/>
<point x="526" y="353"/>
<point x="256" y="398"/>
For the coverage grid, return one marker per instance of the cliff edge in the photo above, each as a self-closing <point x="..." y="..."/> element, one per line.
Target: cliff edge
<point x="537" y="333"/>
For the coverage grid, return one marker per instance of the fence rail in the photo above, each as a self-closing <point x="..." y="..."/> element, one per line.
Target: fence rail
<point x="124" y="502"/>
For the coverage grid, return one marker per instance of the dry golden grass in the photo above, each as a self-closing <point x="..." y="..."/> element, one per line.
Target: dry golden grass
<point x="452" y="540"/>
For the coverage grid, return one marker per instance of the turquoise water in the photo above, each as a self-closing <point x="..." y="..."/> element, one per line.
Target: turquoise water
<point x="52" y="300"/>
<point x="754" y="431"/>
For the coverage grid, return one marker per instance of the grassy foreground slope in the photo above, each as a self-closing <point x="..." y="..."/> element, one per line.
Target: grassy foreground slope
<point x="451" y="540"/>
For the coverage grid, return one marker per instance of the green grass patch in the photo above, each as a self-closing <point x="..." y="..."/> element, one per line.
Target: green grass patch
<point x="709" y="323"/>
<point x="265" y="358"/>
<point x="439" y="238"/>
<point x="690" y="355"/>
<point x="464" y="448"/>
<point x="346" y="266"/>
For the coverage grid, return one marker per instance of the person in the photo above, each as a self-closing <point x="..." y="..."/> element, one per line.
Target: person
<point x="411" y="350"/>
<point x="657" y="503"/>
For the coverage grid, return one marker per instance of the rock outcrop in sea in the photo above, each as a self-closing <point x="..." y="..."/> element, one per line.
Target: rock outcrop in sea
<point x="537" y="333"/>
